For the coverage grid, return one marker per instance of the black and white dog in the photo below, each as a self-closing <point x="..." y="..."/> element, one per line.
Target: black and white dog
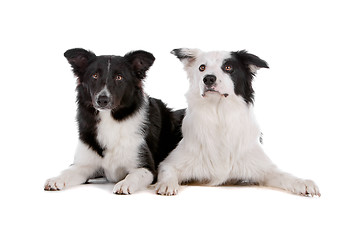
<point x="123" y="133"/>
<point x="220" y="134"/>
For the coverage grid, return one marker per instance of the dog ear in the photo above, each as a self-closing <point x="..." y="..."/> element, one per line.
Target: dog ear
<point x="253" y="62"/>
<point x="79" y="59"/>
<point x="186" y="55"/>
<point x="140" y="61"/>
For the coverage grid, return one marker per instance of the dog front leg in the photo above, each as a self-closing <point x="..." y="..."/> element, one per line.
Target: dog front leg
<point x="279" y="179"/>
<point x="269" y="175"/>
<point x="136" y="180"/>
<point x="168" y="182"/>
<point x="177" y="168"/>
<point x="76" y="174"/>
<point x="86" y="165"/>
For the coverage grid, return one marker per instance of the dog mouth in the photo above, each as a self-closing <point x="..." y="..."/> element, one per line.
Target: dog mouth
<point x="101" y="109"/>
<point x="213" y="91"/>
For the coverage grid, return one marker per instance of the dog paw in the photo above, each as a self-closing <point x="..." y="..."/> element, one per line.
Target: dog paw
<point x="54" y="184"/>
<point x="125" y="187"/>
<point x="167" y="189"/>
<point x="305" y="188"/>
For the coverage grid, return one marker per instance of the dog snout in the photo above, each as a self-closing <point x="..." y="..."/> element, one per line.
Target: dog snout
<point x="209" y="80"/>
<point x="103" y="100"/>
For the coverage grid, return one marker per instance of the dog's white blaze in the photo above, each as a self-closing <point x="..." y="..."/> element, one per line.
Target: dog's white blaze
<point x="109" y="65"/>
<point x="105" y="91"/>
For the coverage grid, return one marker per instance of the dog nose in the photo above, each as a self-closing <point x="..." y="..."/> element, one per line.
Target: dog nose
<point x="209" y="80"/>
<point x="103" y="100"/>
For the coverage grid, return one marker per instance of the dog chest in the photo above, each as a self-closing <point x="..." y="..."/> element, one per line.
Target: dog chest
<point x="222" y="135"/>
<point x="227" y="125"/>
<point x="120" y="139"/>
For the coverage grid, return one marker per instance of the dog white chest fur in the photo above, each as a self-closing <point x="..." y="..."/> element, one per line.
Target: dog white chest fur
<point x="220" y="137"/>
<point x="121" y="141"/>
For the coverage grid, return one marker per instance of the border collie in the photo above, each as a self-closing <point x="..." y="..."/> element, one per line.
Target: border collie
<point x="123" y="133"/>
<point x="221" y="138"/>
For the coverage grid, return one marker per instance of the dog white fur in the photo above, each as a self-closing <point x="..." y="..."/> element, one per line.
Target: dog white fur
<point x="220" y="135"/>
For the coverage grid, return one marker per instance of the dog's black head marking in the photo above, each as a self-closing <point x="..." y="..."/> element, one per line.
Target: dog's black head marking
<point x="242" y="67"/>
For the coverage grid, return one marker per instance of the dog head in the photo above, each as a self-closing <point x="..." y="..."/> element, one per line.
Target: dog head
<point x="220" y="74"/>
<point x="108" y="82"/>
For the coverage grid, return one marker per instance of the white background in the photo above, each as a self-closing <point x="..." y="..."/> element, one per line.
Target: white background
<point x="307" y="104"/>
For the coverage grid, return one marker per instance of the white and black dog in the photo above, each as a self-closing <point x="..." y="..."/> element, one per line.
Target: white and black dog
<point x="123" y="133"/>
<point x="221" y="138"/>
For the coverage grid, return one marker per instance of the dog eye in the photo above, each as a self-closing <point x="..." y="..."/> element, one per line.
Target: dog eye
<point x="202" y="68"/>
<point x="118" y="77"/>
<point x="95" y="76"/>
<point x="228" y="68"/>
